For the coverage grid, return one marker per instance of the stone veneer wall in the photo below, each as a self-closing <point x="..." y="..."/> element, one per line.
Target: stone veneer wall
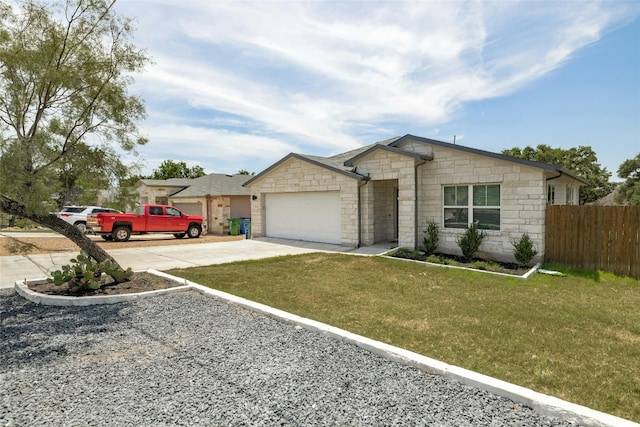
<point x="522" y="191"/>
<point x="148" y="194"/>
<point x="219" y="212"/>
<point x="295" y="175"/>
<point x="384" y="165"/>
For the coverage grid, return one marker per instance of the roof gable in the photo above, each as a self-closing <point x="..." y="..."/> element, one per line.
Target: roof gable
<point x="539" y="165"/>
<point x="330" y="163"/>
<point x="377" y="147"/>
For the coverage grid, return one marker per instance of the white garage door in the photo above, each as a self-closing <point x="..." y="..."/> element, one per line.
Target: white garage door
<point x="313" y="216"/>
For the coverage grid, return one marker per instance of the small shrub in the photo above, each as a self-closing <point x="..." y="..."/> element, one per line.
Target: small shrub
<point x="402" y="253"/>
<point x="430" y="241"/>
<point x="523" y="250"/>
<point x="470" y="241"/>
<point x="409" y="254"/>
<point x="435" y="259"/>
<point x="485" y="265"/>
<point x="86" y="274"/>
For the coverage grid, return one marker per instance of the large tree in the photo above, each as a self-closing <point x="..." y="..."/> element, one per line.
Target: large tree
<point x="172" y="169"/>
<point x="581" y="160"/>
<point x="64" y="74"/>
<point x="629" y="191"/>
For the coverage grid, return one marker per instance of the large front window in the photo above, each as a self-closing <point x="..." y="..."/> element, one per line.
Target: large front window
<point x="483" y="207"/>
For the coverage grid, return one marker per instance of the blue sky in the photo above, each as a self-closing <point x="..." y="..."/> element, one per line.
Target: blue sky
<point x="239" y="85"/>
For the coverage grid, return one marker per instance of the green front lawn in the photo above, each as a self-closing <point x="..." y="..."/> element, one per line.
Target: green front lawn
<point x="574" y="337"/>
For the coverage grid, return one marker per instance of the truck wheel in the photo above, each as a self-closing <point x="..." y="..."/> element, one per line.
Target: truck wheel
<point x="121" y="234"/>
<point x="81" y="226"/>
<point x="179" y="235"/>
<point x="193" y="231"/>
<point x="107" y="237"/>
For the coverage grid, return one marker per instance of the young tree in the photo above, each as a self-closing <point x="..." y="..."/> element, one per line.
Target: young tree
<point x="581" y="160"/>
<point x="629" y="191"/>
<point x="170" y="169"/>
<point x="64" y="74"/>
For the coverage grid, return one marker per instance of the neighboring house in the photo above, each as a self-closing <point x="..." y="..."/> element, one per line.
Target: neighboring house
<point x="157" y="191"/>
<point x="216" y="197"/>
<point x="388" y="191"/>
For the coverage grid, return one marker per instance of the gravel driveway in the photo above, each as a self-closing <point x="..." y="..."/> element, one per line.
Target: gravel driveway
<point x="188" y="360"/>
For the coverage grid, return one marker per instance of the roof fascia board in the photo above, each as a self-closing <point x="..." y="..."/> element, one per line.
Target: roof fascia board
<point x="389" y="148"/>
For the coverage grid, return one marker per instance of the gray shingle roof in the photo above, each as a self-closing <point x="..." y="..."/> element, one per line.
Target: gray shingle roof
<point x="335" y="162"/>
<point x="499" y="156"/>
<point x="216" y="184"/>
<point x="343" y="162"/>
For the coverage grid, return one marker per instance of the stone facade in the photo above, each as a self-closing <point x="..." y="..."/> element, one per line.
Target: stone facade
<point x="295" y="175"/>
<point x="155" y="195"/>
<point x="389" y="198"/>
<point x="522" y="204"/>
<point x="398" y="190"/>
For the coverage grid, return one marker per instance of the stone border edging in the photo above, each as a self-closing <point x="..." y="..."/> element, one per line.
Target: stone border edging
<point x="23" y="290"/>
<point x="456" y="267"/>
<point x="545" y="404"/>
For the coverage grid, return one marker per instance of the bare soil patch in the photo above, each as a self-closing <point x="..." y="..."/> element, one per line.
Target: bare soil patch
<point x="55" y="244"/>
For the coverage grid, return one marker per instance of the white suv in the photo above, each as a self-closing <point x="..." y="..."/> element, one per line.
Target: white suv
<point x="77" y="215"/>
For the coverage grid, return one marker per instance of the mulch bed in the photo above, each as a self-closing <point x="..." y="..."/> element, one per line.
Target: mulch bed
<point x="458" y="261"/>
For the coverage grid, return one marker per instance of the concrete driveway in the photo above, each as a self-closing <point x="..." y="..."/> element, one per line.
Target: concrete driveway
<point x="19" y="267"/>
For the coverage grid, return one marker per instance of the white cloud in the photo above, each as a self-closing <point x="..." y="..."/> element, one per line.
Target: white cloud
<point x="320" y="74"/>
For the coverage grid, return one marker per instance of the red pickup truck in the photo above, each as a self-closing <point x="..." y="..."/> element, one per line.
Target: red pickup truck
<point x="145" y="219"/>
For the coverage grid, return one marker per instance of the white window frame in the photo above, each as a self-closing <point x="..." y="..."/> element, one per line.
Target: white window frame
<point x="470" y="205"/>
<point x="551" y="194"/>
<point x="570" y="195"/>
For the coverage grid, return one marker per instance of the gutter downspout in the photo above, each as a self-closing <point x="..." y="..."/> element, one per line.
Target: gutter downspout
<point x="366" y="179"/>
<point x="415" y="225"/>
<point x="208" y="202"/>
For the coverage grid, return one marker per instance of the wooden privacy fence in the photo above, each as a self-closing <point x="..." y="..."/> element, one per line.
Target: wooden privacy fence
<point x="595" y="237"/>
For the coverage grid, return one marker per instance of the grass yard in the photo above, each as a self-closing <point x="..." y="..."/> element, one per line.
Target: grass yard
<point x="574" y="337"/>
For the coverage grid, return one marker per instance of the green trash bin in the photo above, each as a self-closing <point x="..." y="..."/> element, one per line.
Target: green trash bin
<point x="234" y="226"/>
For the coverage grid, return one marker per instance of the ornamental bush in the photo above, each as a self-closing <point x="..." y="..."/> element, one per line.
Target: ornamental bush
<point x="470" y="241"/>
<point x="523" y="250"/>
<point x="430" y="241"/>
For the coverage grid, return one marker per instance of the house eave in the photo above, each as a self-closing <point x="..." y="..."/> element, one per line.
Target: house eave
<point x="305" y="159"/>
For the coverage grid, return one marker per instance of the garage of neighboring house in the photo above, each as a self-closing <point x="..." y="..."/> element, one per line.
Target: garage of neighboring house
<point x="194" y="208"/>
<point x="312" y="216"/>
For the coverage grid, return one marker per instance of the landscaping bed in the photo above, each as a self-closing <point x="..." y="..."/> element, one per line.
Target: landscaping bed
<point x="139" y="282"/>
<point x="458" y="261"/>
